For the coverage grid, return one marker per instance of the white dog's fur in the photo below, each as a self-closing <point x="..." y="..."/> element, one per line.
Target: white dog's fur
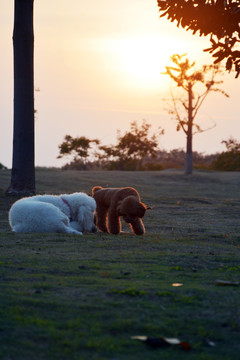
<point x="67" y="213"/>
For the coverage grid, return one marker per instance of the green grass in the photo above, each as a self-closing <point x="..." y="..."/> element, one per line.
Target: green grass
<point x="72" y="297"/>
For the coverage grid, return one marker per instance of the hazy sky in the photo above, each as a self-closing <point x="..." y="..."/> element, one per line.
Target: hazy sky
<point x="98" y="67"/>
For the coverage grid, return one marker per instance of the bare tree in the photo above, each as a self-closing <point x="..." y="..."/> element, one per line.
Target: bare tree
<point x="23" y="172"/>
<point x="186" y="77"/>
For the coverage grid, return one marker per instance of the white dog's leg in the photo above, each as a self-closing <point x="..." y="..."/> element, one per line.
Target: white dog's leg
<point x="75" y="225"/>
<point x="70" y="230"/>
<point x="67" y="228"/>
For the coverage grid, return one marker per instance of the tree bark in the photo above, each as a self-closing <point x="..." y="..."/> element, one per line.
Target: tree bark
<point x="23" y="172"/>
<point x="189" y="159"/>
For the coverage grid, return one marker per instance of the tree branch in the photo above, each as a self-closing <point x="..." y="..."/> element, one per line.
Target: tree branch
<point x="180" y="121"/>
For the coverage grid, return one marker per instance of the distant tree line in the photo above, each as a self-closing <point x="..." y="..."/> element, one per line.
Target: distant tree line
<point x="128" y="154"/>
<point x="137" y="149"/>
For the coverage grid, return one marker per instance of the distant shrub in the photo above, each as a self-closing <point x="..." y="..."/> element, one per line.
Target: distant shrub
<point x="153" y="166"/>
<point x="175" y="159"/>
<point x="228" y="160"/>
<point x="81" y="165"/>
<point x="124" y="165"/>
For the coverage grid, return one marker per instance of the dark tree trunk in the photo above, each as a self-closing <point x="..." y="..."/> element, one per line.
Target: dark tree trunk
<point x="23" y="172"/>
<point x="189" y="159"/>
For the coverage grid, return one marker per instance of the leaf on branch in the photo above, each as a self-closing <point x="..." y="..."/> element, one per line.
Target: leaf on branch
<point x="218" y="53"/>
<point x="211" y="49"/>
<point x="219" y="59"/>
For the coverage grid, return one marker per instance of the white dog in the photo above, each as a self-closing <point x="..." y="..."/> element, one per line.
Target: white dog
<point x="68" y="213"/>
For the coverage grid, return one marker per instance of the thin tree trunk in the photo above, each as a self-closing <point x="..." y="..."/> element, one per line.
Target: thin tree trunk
<point x="189" y="159"/>
<point x="23" y="172"/>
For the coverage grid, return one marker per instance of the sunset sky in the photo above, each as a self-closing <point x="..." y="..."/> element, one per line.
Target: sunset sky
<point x="98" y="67"/>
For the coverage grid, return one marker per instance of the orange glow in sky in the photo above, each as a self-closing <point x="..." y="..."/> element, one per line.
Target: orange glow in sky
<point x="138" y="59"/>
<point x="98" y="66"/>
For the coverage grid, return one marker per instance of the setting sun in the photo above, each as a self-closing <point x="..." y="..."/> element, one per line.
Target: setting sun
<point x="139" y="60"/>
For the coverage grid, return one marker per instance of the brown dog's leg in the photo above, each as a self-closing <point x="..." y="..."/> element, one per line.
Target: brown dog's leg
<point x="101" y="218"/>
<point x="137" y="226"/>
<point x="114" y="224"/>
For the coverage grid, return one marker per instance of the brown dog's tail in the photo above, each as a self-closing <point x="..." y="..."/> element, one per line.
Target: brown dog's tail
<point x="95" y="189"/>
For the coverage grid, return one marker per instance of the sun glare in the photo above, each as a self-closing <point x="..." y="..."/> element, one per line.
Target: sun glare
<point x="140" y="60"/>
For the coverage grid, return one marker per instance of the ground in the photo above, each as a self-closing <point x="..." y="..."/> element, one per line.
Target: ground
<point x="72" y="297"/>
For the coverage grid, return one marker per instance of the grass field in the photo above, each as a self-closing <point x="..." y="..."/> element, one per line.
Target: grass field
<point x="83" y="297"/>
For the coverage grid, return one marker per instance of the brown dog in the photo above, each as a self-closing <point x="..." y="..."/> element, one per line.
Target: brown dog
<point x="115" y="202"/>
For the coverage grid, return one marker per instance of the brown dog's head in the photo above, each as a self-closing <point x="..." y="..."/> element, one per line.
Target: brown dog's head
<point x="130" y="208"/>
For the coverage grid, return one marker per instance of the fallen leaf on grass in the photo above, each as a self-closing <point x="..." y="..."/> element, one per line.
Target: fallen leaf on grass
<point x="177" y="284"/>
<point x="125" y="273"/>
<point x="162" y="341"/>
<point x="226" y="283"/>
<point x="105" y="274"/>
<point x="210" y="342"/>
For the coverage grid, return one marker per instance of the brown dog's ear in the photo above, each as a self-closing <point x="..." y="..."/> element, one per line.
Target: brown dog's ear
<point x="146" y="206"/>
<point x="95" y="189"/>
